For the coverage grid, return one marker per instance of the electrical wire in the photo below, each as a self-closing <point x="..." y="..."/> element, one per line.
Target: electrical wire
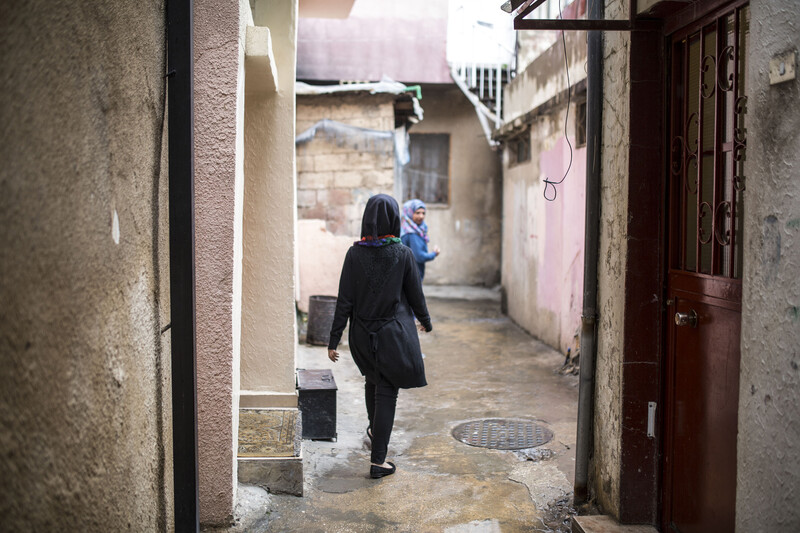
<point x="547" y="181"/>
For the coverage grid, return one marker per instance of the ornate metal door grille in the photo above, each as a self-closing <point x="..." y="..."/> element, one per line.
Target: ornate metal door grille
<point x="705" y="219"/>
<point x="708" y="141"/>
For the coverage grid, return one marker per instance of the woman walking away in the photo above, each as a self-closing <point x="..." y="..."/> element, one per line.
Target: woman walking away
<point x="380" y="292"/>
<point x="414" y="234"/>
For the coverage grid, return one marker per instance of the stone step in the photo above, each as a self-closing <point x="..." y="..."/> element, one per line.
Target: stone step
<point x="270" y="449"/>
<point x="605" y="524"/>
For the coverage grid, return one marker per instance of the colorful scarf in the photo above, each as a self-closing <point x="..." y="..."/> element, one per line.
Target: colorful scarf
<point x="407" y="224"/>
<point x="383" y="240"/>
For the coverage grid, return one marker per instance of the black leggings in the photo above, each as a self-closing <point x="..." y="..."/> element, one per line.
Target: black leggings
<point x="381" y="399"/>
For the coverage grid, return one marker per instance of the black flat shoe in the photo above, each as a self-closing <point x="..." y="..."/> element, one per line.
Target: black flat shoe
<point x="376" y="472"/>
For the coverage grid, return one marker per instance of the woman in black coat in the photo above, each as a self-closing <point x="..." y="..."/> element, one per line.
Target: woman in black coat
<point x="380" y="293"/>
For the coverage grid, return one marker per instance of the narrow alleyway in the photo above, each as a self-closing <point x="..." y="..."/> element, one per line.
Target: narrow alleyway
<point x="479" y="365"/>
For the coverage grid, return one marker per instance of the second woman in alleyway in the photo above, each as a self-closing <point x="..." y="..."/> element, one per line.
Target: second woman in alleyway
<point x="414" y="234"/>
<point x="380" y="293"/>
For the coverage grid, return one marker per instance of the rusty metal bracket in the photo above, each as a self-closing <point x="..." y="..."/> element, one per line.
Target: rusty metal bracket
<point x="631" y="24"/>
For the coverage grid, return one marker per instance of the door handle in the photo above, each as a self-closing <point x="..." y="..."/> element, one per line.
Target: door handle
<point x="686" y="319"/>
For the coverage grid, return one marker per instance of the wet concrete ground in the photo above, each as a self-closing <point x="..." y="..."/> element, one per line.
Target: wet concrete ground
<point x="479" y="365"/>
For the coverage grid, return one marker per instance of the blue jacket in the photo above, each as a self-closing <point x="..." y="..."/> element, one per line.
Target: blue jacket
<point x="420" y="249"/>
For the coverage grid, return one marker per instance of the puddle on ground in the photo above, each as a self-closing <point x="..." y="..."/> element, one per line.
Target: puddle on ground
<point x="345" y="478"/>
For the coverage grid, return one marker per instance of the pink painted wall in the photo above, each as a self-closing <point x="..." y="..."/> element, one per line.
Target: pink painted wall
<point x="542" y="255"/>
<point x="560" y="280"/>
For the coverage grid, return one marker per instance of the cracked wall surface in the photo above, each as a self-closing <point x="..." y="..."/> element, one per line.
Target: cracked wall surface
<point x="769" y="387"/>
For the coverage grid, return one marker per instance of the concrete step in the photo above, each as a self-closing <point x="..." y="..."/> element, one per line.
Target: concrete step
<point x="605" y="524"/>
<point x="270" y="453"/>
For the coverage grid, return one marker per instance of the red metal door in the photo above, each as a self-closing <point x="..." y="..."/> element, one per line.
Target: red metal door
<point x="707" y="134"/>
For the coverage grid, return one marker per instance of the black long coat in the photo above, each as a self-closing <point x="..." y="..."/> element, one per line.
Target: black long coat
<point x="380" y="292"/>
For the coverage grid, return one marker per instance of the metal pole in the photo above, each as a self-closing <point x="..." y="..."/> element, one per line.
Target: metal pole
<point x="594" y="107"/>
<point x="181" y="263"/>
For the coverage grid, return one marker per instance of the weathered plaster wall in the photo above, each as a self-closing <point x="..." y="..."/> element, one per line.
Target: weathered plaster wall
<point x="542" y="263"/>
<point x="468" y="229"/>
<point x="543" y="240"/>
<point x="605" y="467"/>
<point x="84" y="397"/>
<point x="269" y="328"/>
<point x="769" y="420"/>
<point x="219" y="181"/>
<point x="545" y="77"/>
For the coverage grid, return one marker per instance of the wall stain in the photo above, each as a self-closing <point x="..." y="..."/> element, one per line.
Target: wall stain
<point x="771" y="248"/>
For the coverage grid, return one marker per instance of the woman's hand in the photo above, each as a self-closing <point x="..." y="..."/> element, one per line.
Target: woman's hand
<point x="436" y="250"/>
<point x="421" y="328"/>
<point x="333" y="355"/>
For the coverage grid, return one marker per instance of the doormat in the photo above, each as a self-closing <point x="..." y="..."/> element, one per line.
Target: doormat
<point x="267" y="432"/>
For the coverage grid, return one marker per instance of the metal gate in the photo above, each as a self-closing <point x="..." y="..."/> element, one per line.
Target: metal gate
<point x="708" y="136"/>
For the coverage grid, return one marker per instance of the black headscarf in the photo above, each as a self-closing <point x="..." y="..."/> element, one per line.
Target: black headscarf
<point x="381" y="217"/>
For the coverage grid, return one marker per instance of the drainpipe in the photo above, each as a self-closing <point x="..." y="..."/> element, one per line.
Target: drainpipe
<point x="181" y="263"/>
<point x="594" y="105"/>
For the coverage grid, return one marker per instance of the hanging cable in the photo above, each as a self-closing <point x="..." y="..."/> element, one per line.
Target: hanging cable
<point x="547" y="181"/>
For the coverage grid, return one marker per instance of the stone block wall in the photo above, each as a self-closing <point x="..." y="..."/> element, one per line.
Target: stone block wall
<point x="335" y="177"/>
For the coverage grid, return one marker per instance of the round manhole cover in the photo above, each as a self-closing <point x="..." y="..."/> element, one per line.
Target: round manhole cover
<point x="502" y="433"/>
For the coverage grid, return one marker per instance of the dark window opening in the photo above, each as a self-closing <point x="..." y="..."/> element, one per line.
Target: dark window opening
<point x="519" y="148"/>
<point x="427" y="174"/>
<point x="580" y="125"/>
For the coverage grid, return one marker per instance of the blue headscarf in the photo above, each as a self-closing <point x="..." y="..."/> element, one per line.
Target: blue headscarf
<point x="408" y="225"/>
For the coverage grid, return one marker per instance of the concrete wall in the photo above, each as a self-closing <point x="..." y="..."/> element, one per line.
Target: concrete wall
<point x="84" y="381"/>
<point x="605" y="464"/>
<point x="269" y="329"/>
<point x="219" y="186"/>
<point x="542" y="263"/>
<point x="468" y="228"/>
<point x="769" y="420"/>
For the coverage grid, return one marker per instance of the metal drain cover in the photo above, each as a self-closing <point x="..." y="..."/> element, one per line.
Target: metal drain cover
<point x="502" y="433"/>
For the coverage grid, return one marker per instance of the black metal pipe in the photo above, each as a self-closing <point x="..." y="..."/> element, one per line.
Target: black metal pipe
<point x="181" y="263"/>
<point x="594" y="107"/>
